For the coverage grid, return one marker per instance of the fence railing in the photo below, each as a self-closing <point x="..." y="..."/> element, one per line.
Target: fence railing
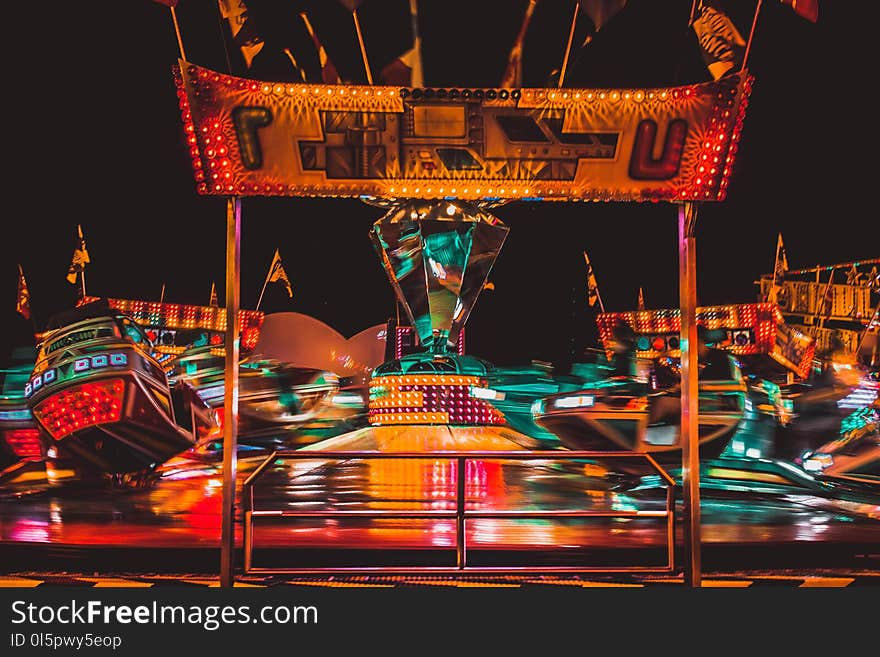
<point x="461" y="514"/>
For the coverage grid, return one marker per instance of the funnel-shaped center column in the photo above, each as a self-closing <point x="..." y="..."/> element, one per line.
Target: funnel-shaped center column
<point x="437" y="255"/>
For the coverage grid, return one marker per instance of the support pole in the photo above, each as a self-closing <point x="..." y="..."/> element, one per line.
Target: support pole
<point x="230" y="393"/>
<point x="564" y="68"/>
<point x="360" y="36"/>
<point x="751" y="36"/>
<point x="177" y="32"/>
<point x="690" y="437"/>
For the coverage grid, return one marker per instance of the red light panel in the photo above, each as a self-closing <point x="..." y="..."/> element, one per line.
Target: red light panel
<point x="24" y="442"/>
<point x="89" y="404"/>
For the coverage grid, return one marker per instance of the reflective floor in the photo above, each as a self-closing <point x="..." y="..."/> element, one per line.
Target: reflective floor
<point x="181" y="507"/>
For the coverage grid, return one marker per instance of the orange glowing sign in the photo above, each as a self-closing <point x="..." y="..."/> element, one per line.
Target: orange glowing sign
<point x="750" y="329"/>
<point x="154" y="314"/>
<point x="254" y="138"/>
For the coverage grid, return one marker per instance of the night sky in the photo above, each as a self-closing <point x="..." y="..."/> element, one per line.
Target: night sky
<point x="93" y="136"/>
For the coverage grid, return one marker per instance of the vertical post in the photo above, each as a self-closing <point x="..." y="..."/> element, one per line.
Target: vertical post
<point x="230" y="393"/>
<point x="690" y="437"/>
<point x="360" y="36"/>
<point x="577" y="9"/>
<point x="177" y="32"/>
<point x="751" y="36"/>
<point x="460" y="479"/>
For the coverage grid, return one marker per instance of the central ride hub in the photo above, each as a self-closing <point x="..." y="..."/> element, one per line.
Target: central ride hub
<point x="437" y="255"/>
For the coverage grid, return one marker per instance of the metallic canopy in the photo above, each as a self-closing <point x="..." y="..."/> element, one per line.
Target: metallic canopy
<point x="437" y="256"/>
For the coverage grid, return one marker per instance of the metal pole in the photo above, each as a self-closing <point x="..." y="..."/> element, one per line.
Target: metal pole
<point x="577" y="9"/>
<point x="357" y="27"/>
<point x="460" y="494"/>
<point x="751" y="36"/>
<point x="177" y="32"/>
<point x="690" y="437"/>
<point x="230" y="393"/>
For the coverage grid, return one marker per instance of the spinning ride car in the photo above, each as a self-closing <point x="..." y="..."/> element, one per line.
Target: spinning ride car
<point x="100" y="395"/>
<point x="634" y="413"/>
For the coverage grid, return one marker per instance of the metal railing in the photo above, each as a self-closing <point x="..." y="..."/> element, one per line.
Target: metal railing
<point x="460" y="513"/>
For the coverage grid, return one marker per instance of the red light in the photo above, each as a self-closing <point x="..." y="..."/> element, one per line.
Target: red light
<point x="81" y="406"/>
<point x="24" y="442"/>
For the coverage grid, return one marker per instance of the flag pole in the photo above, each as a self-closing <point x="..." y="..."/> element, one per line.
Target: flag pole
<point x="357" y="27"/>
<point x="162" y="294"/>
<point x="577" y="9"/>
<point x="265" y="283"/>
<point x="693" y="11"/>
<point x="417" y="40"/>
<point x="230" y="392"/>
<point x="751" y="35"/>
<point x="302" y="73"/>
<point x="260" y="300"/>
<point x="177" y="32"/>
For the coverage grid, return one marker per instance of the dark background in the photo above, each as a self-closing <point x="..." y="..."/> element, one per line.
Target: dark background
<point x="93" y="136"/>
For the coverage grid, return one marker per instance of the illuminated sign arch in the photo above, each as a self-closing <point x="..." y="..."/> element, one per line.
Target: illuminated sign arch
<point x="254" y="138"/>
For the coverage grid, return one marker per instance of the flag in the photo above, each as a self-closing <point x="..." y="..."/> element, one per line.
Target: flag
<point x="351" y="5"/>
<point x="780" y="267"/>
<point x="167" y="3"/>
<point x="406" y="70"/>
<point x="329" y="75"/>
<point x="244" y="33"/>
<point x="23" y="302"/>
<point x="872" y="281"/>
<point x="80" y="258"/>
<point x="808" y="9"/>
<point x="641" y="299"/>
<point x="592" y="286"/>
<point x="214" y="302"/>
<point x="277" y="273"/>
<point x="513" y="73"/>
<point x="488" y="285"/>
<point x="720" y="43"/>
<point x="601" y="11"/>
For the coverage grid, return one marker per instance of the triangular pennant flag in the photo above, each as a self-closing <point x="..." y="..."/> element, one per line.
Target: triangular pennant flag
<point x="244" y="32"/>
<point x="80" y="258"/>
<point x="641" y="299"/>
<point x="721" y="43"/>
<point x="808" y="9"/>
<point x="780" y="267"/>
<point x="277" y="274"/>
<point x="592" y="287"/>
<point x="23" y="302"/>
<point x="406" y="70"/>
